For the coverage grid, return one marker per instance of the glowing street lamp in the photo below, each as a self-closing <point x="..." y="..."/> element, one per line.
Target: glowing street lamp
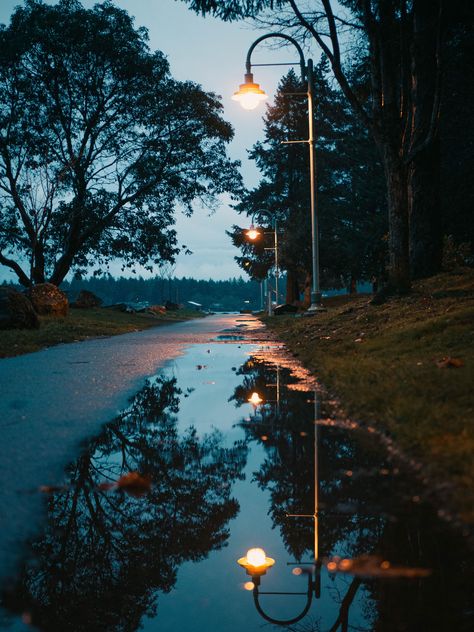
<point x="256" y="562"/>
<point x="252" y="233"/>
<point x="249" y="94"/>
<point x="255" y="399"/>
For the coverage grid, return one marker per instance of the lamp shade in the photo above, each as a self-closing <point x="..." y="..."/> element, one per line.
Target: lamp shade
<point x="256" y="562"/>
<point x="249" y="93"/>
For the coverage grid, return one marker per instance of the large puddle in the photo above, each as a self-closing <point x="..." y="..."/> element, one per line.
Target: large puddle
<point x="149" y="522"/>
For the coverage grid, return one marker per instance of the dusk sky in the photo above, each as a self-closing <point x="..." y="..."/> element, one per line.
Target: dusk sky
<point x="211" y="53"/>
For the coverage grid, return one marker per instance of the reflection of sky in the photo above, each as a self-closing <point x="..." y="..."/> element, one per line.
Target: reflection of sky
<point x="209" y="595"/>
<point x="211" y="53"/>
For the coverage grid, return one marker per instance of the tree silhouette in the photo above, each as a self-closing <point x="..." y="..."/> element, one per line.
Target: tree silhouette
<point x="105" y="554"/>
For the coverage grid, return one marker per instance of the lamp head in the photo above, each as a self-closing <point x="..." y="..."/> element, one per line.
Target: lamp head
<point x="256" y="562"/>
<point x="252" y="233"/>
<point x="255" y="399"/>
<point x="249" y="93"/>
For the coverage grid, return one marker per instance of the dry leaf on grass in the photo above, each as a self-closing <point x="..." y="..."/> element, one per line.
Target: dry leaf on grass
<point x="449" y="363"/>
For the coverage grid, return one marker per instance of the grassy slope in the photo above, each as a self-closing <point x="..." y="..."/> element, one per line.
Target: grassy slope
<point x="382" y="362"/>
<point x="81" y="324"/>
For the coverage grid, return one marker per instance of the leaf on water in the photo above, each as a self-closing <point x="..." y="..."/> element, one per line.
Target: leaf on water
<point x="449" y="363"/>
<point x="106" y="486"/>
<point x="52" y="489"/>
<point x="134" y="484"/>
<point x="373" y="566"/>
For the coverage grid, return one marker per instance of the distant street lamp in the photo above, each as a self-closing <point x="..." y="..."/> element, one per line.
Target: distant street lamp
<point x="253" y="234"/>
<point x="249" y="96"/>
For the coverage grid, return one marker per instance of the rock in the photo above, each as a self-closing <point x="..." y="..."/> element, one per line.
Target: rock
<point x="87" y="300"/>
<point x="16" y="310"/>
<point x="285" y="309"/>
<point x="48" y="300"/>
<point x="171" y="307"/>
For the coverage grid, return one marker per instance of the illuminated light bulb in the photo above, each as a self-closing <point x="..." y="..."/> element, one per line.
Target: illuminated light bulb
<point x="252" y="233"/>
<point x="255" y="399"/>
<point x="250" y="100"/>
<point x="256" y="557"/>
<point x="249" y="585"/>
<point x="249" y="93"/>
<point x="256" y="562"/>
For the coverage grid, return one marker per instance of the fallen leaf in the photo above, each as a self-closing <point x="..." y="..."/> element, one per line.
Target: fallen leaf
<point x="106" y="486"/>
<point x="134" y="484"/>
<point x="373" y="566"/>
<point x="449" y="363"/>
<point x="51" y="489"/>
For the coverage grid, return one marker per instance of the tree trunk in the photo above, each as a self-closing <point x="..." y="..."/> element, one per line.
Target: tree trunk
<point x="353" y="285"/>
<point x="397" y="197"/>
<point x="292" y="287"/>
<point x="426" y="238"/>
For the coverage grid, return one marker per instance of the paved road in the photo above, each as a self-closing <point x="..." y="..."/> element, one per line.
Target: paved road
<point x="50" y="401"/>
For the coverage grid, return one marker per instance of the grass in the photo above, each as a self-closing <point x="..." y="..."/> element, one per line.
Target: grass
<point x="82" y="324"/>
<point x="388" y="363"/>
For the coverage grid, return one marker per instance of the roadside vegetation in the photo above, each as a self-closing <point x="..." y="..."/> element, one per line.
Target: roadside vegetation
<point x="406" y="367"/>
<point x="82" y="324"/>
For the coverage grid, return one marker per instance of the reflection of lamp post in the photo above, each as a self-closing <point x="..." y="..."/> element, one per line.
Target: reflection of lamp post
<point x="256" y="563"/>
<point x="256" y="570"/>
<point x="250" y="95"/>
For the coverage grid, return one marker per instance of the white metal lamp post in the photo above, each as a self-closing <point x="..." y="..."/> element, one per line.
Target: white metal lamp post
<point x="250" y="95"/>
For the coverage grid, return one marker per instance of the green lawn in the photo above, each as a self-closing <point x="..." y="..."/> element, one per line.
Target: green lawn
<point x="405" y="366"/>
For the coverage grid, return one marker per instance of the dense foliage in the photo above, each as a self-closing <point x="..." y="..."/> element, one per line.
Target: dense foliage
<point x="98" y="143"/>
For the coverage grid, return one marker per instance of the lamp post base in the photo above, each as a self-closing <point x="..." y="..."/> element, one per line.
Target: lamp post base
<point x="316" y="304"/>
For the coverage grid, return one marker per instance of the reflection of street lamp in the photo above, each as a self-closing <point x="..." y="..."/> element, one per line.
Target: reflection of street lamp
<point x="256" y="563"/>
<point x="249" y="95"/>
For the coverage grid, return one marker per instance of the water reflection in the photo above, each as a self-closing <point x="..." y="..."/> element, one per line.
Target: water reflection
<point x="146" y="497"/>
<point x="338" y="498"/>
<point x="108" y="549"/>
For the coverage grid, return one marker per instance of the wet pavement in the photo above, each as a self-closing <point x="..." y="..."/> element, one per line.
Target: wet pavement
<point x="142" y="526"/>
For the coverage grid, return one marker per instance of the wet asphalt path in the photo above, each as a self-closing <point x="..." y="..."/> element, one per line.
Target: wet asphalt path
<point x="52" y="400"/>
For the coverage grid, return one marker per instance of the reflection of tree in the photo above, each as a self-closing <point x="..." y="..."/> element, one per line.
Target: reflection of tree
<point x="105" y="554"/>
<point x="366" y="507"/>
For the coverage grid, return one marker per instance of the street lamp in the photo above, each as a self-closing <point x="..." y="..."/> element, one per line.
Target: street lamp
<point x="249" y="95"/>
<point x="253" y="234"/>
<point x="256" y="563"/>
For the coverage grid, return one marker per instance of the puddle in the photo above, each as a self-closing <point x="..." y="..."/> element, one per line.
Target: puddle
<point x="148" y="523"/>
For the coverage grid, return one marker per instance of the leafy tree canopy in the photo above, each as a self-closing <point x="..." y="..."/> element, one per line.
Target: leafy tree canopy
<point x="98" y="143"/>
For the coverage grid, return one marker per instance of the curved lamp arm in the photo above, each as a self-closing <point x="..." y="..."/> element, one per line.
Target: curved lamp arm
<point x="314" y="588"/>
<point x="248" y="63"/>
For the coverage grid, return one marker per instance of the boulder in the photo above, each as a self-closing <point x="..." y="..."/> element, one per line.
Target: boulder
<point x="87" y="300"/>
<point x="171" y="307"/>
<point x="16" y="310"/>
<point x="48" y="300"/>
<point x="285" y="309"/>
